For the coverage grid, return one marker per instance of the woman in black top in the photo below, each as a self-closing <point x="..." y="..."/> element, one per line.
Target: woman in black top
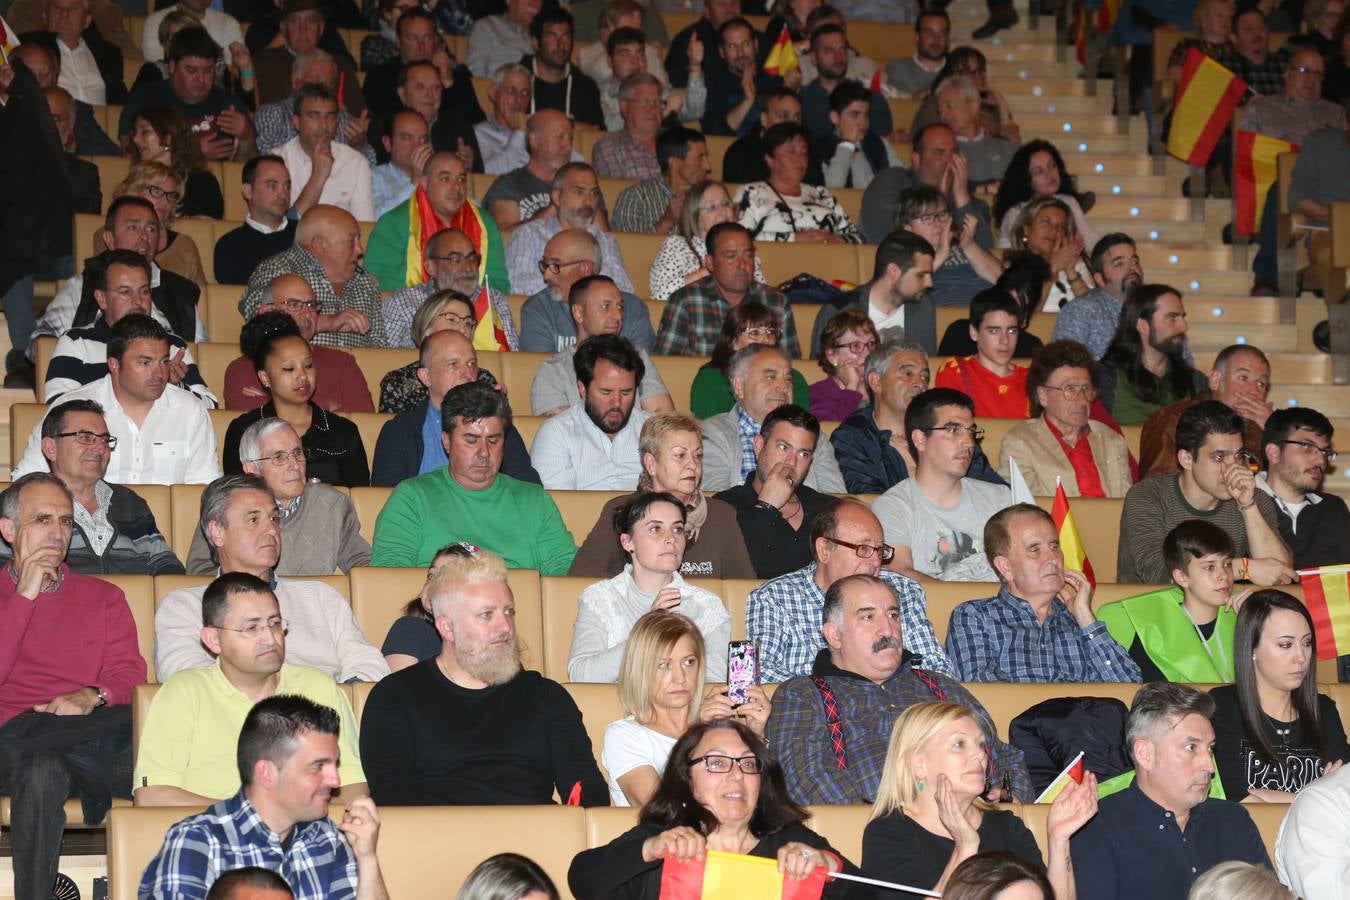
<point x="721" y="790"/>
<point x="1273" y="732"/>
<point x="929" y="816"/>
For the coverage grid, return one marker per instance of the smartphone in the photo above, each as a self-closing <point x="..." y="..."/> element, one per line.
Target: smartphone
<point x="742" y="670"/>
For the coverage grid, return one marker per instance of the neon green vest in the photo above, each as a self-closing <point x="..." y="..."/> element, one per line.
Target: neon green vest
<point x="1170" y="639"/>
<point x="1125" y="779"/>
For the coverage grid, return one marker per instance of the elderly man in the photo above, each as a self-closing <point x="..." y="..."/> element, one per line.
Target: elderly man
<point x="761" y="381"/>
<point x="547" y="324"/>
<point x="90" y="67"/>
<point x="576" y="203"/>
<point x="165" y="432"/>
<point x="937" y="161"/>
<point x="323" y="170"/>
<point x="446" y="731"/>
<point x="275" y="121"/>
<point x="471" y="499"/>
<point x="288" y="762"/>
<point x="408" y="147"/>
<point x="653" y="206"/>
<point x="502" y="139"/>
<point x="447" y="84"/>
<point x="898" y="298"/>
<point x="830" y="54"/>
<point x="410" y="443"/>
<point x="631" y="151"/>
<point x="44" y="62"/>
<point x="987" y="156"/>
<point x="302" y="26"/>
<point x="504" y="38"/>
<point x="69" y="650"/>
<point x="597" y="307"/>
<point x="865" y="673"/>
<point x="783" y="616"/>
<point x="186" y="754"/>
<point x="87" y="194"/>
<point x="557" y="83"/>
<point x="524" y="193"/>
<point x="114" y="531"/>
<point x="1240" y="380"/>
<point x="439" y="201"/>
<point x="1039" y="603"/>
<point x="1160" y="834"/>
<point x="267" y="231"/>
<point x="320" y="531"/>
<point x="869" y="445"/>
<point x="326" y="252"/>
<point x="624" y="53"/>
<point x="241" y="525"/>
<point x="1091" y="319"/>
<point x="1215" y="483"/>
<point x="1296" y="450"/>
<point x="692" y="320"/>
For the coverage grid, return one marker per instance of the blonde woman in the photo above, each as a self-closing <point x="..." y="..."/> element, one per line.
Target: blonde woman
<point x="662" y="691"/>
<point x="929" y="816"/>
<point x="1046" y="227"/>
<point x="680" y="259"/>
<point x="1239" y="881"/>
<point x="163" y="187"/>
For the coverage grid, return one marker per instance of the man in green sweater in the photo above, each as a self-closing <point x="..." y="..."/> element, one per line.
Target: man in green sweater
<point x="470" y="500"/>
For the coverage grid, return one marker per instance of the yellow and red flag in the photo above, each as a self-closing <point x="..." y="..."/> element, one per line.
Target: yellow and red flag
<point x="782" y="57"/>
<point x="732" y="876"/>
<point x="8" y="41"/>
<point x="1070" y="542"/>
<point x="1255" y="170"/>
<point x="1206" y="98"/>
<point x="1326" y="593"/>
<point x="1105" y="16"/>
<point x="1072" y="772"/>
<point x="488" y="334"/>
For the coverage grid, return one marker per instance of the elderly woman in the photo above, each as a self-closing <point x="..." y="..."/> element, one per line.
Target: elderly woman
<point x="961" y="271"/>
<point x="413" y="636"/>
<point x="400" y="389"/>
<point x="680" y="258"/>
<point x="929" y="816"/>
<point x="1046" y="227"/>
<point x="161" y="134"/>
<point x="163" y="187"/>
<point x="320" y="531"/>
<point x="651" y="531"/>
<point x="747" y="323"/>
<point x="662" y="692"/>
<point x="844" y="344"/>
<point x="783" y="208"/>
<point x="1060" y="391"/>
<point x="722" y="790"/>
<point x="1038" y="170"/>
<point x="671" y="448"/>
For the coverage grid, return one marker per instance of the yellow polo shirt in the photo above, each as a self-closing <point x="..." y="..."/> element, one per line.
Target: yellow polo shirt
<point x="191" y="733"/>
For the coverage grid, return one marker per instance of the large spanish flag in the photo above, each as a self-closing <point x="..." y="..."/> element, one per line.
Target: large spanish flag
<point x="731" y="876"/>
<point x="1255" y="169"/>
<point x="1070" y="542"/>
<point x="782" y="57"/>
<point x="1206" y="97"/>
<point x="1326" y="593"/>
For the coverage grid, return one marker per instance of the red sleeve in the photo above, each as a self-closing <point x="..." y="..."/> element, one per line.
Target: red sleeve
<point x="238" y="376"/>
<point x="123" y="666"/>
<point x="353" y="390"/>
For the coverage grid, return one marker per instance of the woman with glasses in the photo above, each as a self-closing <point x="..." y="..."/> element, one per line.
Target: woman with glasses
<point x="161" y="134"/>
<point x="746" y="324"/>
<point x="783" y="207"/>
<point x="682" y="256"/>
<point x="285" y="366"/>
<point x="1037" y="170"/>
<point x="650" y="526"/>
<point x="995" y="116"/>
<point x="961" y="267"/>
<point x="1046" y="227"/>
<point x="413" y="636"/>
<point x="844" y="344"/>
<point x="400" y="389"/>
<point x="162" y="186"/>
<point x="722" y="790"/>
<point x="1062" y="443"/>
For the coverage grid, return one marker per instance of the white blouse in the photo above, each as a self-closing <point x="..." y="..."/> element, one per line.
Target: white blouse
<point x="1080" y="222"/>
<point x="627" y="746"/>
<point x="676" y="260"/>
<point x="772" y="217"/>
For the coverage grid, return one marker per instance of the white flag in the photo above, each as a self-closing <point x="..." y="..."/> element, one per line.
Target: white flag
<point x="1020" y="492"/>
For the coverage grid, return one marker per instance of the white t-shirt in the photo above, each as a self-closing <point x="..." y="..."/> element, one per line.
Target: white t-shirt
<point x="946" y="544"/>
<point x="628" y="746"/>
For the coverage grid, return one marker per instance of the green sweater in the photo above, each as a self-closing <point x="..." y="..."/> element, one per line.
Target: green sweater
<point x="710" y="394"/>
<point x="513" y="518"/>
<point x="387" y="251"/>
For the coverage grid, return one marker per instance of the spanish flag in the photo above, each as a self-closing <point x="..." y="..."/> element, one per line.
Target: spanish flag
<point x="1326" y="593"/>
<point x="731" y="876"/>
<point x="1070" y="542"/>
<point x="423" y="223"/>
<point x="1072" y="772"/>
<point x="1206" y="98"/>
<point x="782" y="57"/>
<point x="1105" y="16"/>
<point x="488" y="334"/>
<point x="1254" y="171"/>
<point x="8" y="41"/>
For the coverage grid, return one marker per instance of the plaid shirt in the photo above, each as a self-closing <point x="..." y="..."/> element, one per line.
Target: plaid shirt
<point x="999" y="639"/>
<point x="799" y="736"/>
<point x="317" y="864"/>
<point x="362" y="293"/>
<point x="783" y="619"/>
<point x="617" y="155"/>
<point x="1264" y="78"/>
<point x="748" y="429"/>
<point x="641" y="206"/>
<point x="693" y="317"/>
<point x="399" y="309"/>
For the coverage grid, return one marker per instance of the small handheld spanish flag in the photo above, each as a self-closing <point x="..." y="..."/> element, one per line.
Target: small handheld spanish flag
<point x="1255" y="170"/>
<point x="1206" y="97"/>
<point x="782" y="58"/>
<point x="1326" y="593"/>
<point x="1070" y="541"/>
<point x="488" y="334"/>
<point x="8" y="42"/>
<point x="1072" y="772"/>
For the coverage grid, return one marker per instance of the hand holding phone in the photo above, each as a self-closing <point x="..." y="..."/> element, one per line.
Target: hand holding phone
<point x="742" y="670"/>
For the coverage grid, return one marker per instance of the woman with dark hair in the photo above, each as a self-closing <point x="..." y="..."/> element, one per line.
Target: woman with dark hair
<point x="413" y="637"/>
<point x="998" y="875"/>
<point x="961" y="267"/>
<point x="1138" y="377"/>
<point x="783" y="208"/>
<point x="790" y="16"/>
<point x="1273" y="732"/>
<point x="508" y="876"/>
<point x="161" y="134"/>
<point x="746" y="324"/>
<point x="995" y="116"/>
<point x="1037" y="170"/>
<point x="721" y="790"/>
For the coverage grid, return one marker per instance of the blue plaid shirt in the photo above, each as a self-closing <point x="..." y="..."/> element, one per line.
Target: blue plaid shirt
<point x="783" y="618"/>
<point x="317" y="863"/>
<point x="749" y="430"/>
<point x="999" y="639"/>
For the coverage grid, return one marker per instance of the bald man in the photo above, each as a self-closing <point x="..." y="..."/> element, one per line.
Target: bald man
<point x="546" y="318"/>
<point x="326" y="255"/>
<point x="525" y="191"/>
<point x="90" y="138"/>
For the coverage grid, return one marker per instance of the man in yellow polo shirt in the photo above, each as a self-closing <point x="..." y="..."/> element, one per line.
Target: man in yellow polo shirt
<point x="187" y="747"/>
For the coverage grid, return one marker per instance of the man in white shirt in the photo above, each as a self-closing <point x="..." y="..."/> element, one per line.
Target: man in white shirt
<point x="594" y="447"/>
<point x="322" y="170"/>
<point x="164" y="433"/>
<point x="223" y="27"/>
<point x="1311" y="853"/>
<point x="495" y="40"/>
<point x="241" y="523"/>
<point x="81" y="75"/>
<point x="409" y="147"/>
<point x="501" y="137"/>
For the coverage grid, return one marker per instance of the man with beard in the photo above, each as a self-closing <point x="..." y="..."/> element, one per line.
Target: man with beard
<point x="471" y="726"/>
<point x="557" y="83"/>
<point x="829" y="53"/>
<point x="594" y="446"/>
<point x="933" y="38"/>
<point x="322" y="169"/>
<point x="1296" y="449"/>
<point x="1091" y="319"/>
<point x="1005" y="637"/>
<point x="451" y="264"/>
<point x="898" y="298"/>
<point x="1145" y="367"/>
<point x="732" y="87"/>
<point x="1215" y="484"/>
<point x="547" y="324"/>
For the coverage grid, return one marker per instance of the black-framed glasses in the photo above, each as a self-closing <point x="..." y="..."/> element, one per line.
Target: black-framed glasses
<point x="1074" y="391"/>
<point x="932" y="217"/>
<point x="455" y="259"/>
<point x="553" y="266"/>
<point x="281" y="457"/>
<point x="89" y="438"/>
<point x="159" y="193"/>
<point x="1329" y="454"/>
<point x="255" y="629"/>
<point x="866" y="346"/>
<point x="865" y="551"/>
<point x="721" y="765"/>
<point x="956" y="429"/>
<point x="455" y="320"/>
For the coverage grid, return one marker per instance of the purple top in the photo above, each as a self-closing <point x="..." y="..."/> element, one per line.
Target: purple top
<point x="831" y="403"/>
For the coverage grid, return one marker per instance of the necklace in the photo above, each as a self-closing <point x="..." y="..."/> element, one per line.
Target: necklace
<point x="1220" y="664"/>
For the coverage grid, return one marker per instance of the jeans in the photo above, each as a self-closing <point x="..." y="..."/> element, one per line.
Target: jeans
<point x="19" y="318"/>
<point x="1266" y="265"/>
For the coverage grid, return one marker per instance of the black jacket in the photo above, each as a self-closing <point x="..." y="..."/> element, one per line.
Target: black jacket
<point x="920" y="318"/>
<point x="398" y="451"/>
<point x="106" y="56"/>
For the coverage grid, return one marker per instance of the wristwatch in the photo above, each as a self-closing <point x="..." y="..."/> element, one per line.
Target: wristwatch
<point x="102" y="696"/>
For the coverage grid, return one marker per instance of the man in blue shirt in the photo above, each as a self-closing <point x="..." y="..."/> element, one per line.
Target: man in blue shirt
<point x="1156" y="837"/>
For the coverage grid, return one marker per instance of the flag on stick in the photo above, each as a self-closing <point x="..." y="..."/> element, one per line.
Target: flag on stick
<point x="1072" y="772"/>
<point x="1255" y="170"/>
<point x="1203" y="110"/>
<point x="1326" y="593"/>
<point x="1075" y="555"/>
<point x="782" y="57"/>
<point x="488" y="334"/>
<point x="1021" y="492"/>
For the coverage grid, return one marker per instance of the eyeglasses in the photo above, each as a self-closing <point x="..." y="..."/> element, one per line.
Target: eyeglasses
<point x="294" y="306"/>
<point x="89" y="438"/>
<point x="1074" y="391"/>
<point x="865" y="551"/>
<point x="956" y="429"/>
<point x="721" y="765"/>
<point x="454" y="320"/>
<point x="933" y="217"/>
<point x="553" y="266"/>
<point x="455" y="259"/>
<point x="760" y="332"/>
<point x="857" y="346"/>
<point x="160" y="194"/>
<point x="715" y="207"/>
<point x="1326" y="452"/>
<point x="1239" y="457"/>
<point x="281" y="457"/>
<point x="1304" y="70"/>
<point x="256" y="629"/>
